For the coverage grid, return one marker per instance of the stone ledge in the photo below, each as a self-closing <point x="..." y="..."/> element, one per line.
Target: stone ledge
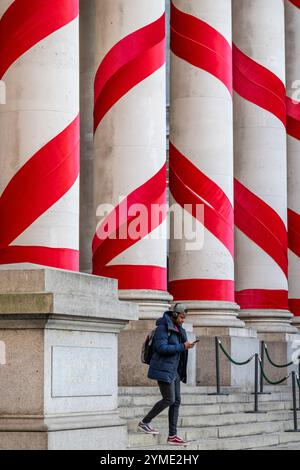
<point x="27" y="277"/>
<point x="60" y="423"/>
<point x="36" y="303"/>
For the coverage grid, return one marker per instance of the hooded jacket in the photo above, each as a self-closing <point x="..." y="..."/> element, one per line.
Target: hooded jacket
<point x="169" y="355"/>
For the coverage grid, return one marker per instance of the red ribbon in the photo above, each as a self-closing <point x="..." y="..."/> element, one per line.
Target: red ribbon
<point x="27" y="22"/>
<point x="262" y="299"/>
<point x="296" y="3"/>
<point x="39" y="184"/>
<point x="202" y="289"/>
<point x="61" y="258"/>
<point x="259" y="222"/>
<point x="199" y="44"/>
<point x="128" y="63"/>
<point x="105" y="249"/>
<point x="294" y="232"/>
<point x="189" y="185"/>
<point x="294" y="305"/>
<point x="293" y="118"/>
<point x="136" y="276"/>
<point x="258" y="85"/>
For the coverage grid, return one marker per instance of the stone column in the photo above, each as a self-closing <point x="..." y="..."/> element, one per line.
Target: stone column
<point x="59" y="360"/>
<point x="130" y="160"/>
<point x="39" y="133"/>
<point x="261" y="171"/>
<point x="87" y="223"/>
<point x="292" y="16"/>
<point x="201" y="174"/>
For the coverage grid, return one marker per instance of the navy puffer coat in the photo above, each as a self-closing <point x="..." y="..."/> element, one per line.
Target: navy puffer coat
<point x="169" y="355"/>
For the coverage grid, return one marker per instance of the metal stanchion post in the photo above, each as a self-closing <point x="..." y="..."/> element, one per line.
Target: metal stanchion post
<point x="256" y="380"/>
<point x="294" y="405"/>
<point x="262" y="355"/>
<point x="218" y="370"/>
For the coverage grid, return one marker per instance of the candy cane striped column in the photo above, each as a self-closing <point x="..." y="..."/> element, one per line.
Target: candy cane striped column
<point x="39" y="133"/>
<point x="130" y="150"/>
<point x="260" y="164"/>
<point x="292" y="19"/>
<point x="201" y="159"/>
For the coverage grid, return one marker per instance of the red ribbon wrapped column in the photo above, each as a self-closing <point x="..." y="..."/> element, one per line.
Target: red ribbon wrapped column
<point x="260" y="192"/>
<point x="201" y="160"/>
<point x="39" y="133"/>
<point x="130" y="149"/>
<point x="292" y="13"/>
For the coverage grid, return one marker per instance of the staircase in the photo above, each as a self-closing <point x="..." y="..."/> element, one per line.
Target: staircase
<point x="214" y="422"/>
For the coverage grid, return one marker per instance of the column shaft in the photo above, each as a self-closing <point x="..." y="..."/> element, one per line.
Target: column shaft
<point x="130" y="149"/>
<point x="260" y="164"/>
<point x="39" y="133"/>
<point x="292" y="9"/>
<point x="201" y="160"/>
<point x="87" y="215"/>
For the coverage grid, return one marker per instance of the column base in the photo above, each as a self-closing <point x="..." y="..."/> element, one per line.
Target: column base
<point x="152" y="303"/>
<point x="240" y="343"/>
<point x="296" y="322"/>
<point x="269" y="321"/>
<point x="213" y="314"/>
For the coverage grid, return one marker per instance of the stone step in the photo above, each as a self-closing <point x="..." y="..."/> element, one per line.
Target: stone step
<point x="138" y="438"/>
<point x="196" y="410"/>
<point x="197" y="399"/>
<point x="217" y="420"/>
<point x="144" y="391"/>
<point x="232" y="443"/>
<point x="291" y="446"/>
<point x="239" y="430"/>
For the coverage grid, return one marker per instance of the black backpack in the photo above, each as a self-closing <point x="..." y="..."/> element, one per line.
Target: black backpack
<point x="147" y="348"/>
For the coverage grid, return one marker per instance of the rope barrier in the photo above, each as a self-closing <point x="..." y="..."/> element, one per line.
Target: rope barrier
<point x="273" y="363"/>
<point x="267" y="379"/>
<point x="232" y="360"/>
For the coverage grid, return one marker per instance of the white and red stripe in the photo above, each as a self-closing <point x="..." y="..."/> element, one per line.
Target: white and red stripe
<point x="260" y="159"/>
<point x="130" y="143"/>
<point x="292" y="15"/>
<point x="39" y="133"/>
<point x="201" y="148"/>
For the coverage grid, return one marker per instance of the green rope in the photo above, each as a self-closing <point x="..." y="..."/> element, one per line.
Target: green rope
<point x="266" y="378"/>
<point x="232" y="360"/>
<point x="273" y="363"/>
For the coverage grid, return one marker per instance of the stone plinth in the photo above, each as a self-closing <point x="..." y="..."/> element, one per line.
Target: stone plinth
<point x="151" y="305"/>
<point x="131" y="370"/>
<point x="59" y="360"/>
<point x="240" y="343"/>
<point x="281" y="347"/>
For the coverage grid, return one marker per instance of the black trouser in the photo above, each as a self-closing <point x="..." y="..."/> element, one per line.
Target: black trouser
<point x="172" y="399"/>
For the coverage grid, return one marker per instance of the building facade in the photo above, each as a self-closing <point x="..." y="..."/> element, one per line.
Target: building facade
<point x="89" y="91"/>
